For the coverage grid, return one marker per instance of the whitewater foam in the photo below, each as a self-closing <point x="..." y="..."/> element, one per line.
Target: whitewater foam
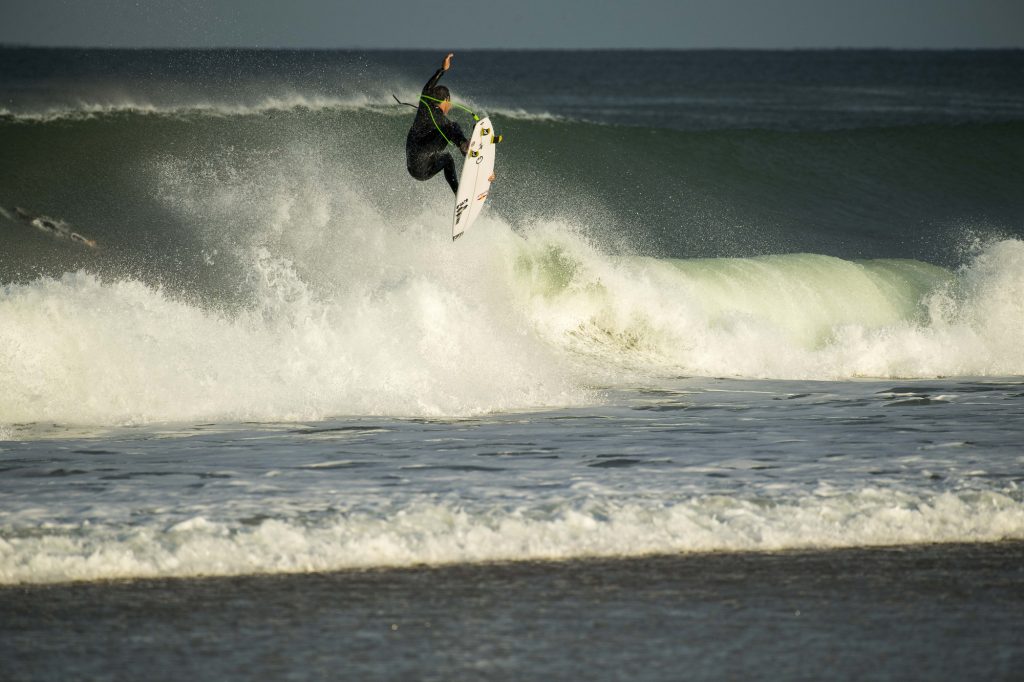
<point x="786" y="317"/>
<point x="381" y="103"/>
<point x="440" y="533"/>
<point x="78" y="350"/>
<point x="504" y="322"/>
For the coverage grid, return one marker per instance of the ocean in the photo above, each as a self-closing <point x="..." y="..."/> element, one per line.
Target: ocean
<point x="726" y="382"/>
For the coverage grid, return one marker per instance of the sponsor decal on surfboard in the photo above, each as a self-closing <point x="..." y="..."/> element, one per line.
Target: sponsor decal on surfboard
<point x="460" y="209"/>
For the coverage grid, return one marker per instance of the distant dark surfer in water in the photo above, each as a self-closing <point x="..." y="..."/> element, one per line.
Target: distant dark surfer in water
<point x="426" y="145"/>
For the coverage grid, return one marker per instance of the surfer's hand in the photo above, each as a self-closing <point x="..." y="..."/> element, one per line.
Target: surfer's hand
<point x="464" y="147"/>
<point x="448" y="61"/>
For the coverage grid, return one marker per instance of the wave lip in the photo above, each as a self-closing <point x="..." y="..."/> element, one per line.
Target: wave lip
<point x="443" y="533"/>
<point x="89" y="109"/>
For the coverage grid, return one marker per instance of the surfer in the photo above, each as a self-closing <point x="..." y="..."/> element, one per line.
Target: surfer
<point x="426" y="145"/>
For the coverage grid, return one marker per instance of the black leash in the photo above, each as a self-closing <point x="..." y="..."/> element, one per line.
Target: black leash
<point x="405" y="103"/>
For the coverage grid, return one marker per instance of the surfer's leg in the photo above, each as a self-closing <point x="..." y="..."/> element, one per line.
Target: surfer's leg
<point x="424" y="168"/>
<point x="449" y="174"/>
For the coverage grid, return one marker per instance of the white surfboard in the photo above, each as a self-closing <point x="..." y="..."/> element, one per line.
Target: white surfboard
<point x="474" y="183"/>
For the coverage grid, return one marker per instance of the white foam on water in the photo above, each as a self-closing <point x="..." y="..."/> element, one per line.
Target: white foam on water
<point x="800" y="316"/>
<point x="78" y="350"/>
<point x="98" y="108"/>
<point x="404" y="323"/>
<point x="381" y="102"/>
<point x="442" y="532"/>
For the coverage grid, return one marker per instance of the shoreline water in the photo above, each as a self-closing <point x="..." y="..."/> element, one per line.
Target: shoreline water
<point x="689" y="465"/>
<point x="996" y="549"/>
<point x="927" y="612"/>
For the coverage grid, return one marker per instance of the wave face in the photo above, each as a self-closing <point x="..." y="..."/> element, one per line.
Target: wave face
<point x="264" y="255"/>
<point x="917" y="192"/>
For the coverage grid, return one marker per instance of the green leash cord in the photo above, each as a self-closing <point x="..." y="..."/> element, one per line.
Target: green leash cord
<point x="426" y="99"/>
<point x="423" y="99"/>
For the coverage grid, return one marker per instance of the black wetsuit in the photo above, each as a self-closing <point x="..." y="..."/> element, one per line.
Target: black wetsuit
<point x="425" y="148"/>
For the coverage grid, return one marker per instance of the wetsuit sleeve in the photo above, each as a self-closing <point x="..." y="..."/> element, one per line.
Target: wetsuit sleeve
<point x="433" y="81"/>
<point x="453" y="132"/>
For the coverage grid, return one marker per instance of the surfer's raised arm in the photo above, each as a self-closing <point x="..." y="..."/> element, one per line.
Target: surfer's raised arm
<point x="445" y="65"/>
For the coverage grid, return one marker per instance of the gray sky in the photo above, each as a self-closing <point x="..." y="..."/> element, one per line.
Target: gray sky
<point x="437" y="24"/>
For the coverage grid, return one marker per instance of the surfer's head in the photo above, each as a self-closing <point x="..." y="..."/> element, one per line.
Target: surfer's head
<point x="443" y="98"/>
